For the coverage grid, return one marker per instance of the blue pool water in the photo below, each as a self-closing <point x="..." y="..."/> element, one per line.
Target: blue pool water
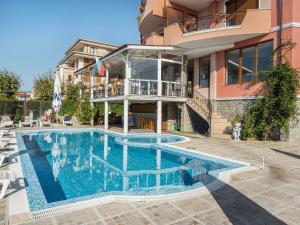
<point x="68" y="166"/>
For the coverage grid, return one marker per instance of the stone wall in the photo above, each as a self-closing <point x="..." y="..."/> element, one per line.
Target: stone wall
<point x="294" y="129"/>
<point x="231" y="108"/>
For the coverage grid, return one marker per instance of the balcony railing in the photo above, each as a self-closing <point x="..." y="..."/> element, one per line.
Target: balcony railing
<point x="173" y="89"/>
<point x="141" y="87"/>
<point x="213" y="22"/>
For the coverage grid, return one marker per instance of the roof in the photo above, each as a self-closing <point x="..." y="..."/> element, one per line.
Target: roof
<point x="90" y="42"/>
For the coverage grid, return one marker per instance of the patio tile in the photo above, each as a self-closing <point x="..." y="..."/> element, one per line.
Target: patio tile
<point x="186" y="221"/>
<point x="192" y="206"/>
<point x="211" y="217"/>
<point x="291" y="214"/>
<point x="131" y="218"/>
<point x="113" y="209"/>
<point x="84" y="216"/>
<point x="163" y="213"/>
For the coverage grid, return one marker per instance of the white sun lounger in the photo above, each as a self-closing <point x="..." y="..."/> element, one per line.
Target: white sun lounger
<point x="3" y="155"/>
<point x="6" y="176"/>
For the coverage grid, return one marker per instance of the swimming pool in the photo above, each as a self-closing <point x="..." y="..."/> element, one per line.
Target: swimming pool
<point x="68" y="166"/>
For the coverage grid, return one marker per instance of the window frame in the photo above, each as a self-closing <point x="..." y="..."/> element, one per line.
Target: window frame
<point x="208" y="80"/>
<point x="240" y="75"/>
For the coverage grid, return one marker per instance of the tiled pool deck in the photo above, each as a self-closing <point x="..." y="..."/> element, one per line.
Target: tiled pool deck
<point x="269" y="196"/>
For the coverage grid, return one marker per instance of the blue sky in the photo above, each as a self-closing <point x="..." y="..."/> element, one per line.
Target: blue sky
<point x="34" y="34"/>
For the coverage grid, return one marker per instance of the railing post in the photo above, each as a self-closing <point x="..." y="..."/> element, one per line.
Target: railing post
<point x="148" y="87"/>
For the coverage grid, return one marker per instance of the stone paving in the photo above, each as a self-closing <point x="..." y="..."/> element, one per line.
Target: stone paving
<point x="262" y="197"/>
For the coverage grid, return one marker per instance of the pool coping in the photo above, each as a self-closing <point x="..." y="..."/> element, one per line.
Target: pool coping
<point x="223" y="178"/>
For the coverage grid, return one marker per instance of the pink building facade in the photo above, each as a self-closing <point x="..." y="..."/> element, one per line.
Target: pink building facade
<point x="228" y="43"/>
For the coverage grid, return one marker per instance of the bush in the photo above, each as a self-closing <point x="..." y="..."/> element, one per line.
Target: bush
<point x="69" y="108"/>
<point x="86" y="110"/>
<point x="270" y="115"/>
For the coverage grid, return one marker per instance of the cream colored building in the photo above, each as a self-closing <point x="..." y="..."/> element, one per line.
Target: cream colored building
<point x="81" y="54"/>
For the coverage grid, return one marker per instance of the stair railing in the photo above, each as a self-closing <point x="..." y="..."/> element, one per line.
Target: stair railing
<point x="202" y="103"/>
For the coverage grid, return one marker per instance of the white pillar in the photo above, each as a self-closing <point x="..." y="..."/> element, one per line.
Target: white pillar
<point x="105" y="153"/>
<point x="125" y="166"/>
<point x="213" y="76"/>
<point x="158" y="167"/>
<point x="125" y="117"/>
<point x="106" y="115"/>
<point x="92" y="93"/>
<point x="159" y="116"/>
<point x="106" y="82"/>
<point x="127" y="74"/>
<point x="159" y="83"/>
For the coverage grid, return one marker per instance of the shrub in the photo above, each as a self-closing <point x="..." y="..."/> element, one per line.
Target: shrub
<point x="271" y="113"/>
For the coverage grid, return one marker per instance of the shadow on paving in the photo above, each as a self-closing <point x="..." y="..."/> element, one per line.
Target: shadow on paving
<point x="238" y="208"/>
<point x="286" y="153"/>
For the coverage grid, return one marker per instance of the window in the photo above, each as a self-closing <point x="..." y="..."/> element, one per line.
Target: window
<point x="93" y="50"/>
<point x="69" y="78"/>
<point x="265" y="53"/>
<point x="144" y="68"/>
<point x="233" y="65"/>
<point x="248" y="64"/>
<point x="204" y="72"/>
<point x="170" y="71"/>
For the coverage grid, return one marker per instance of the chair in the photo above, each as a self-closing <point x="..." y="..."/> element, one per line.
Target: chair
<point x="6" y="121"/>
<point x="68" y="120"/>
<point x="3" y="155"/>
<point x="25" y="122"/>
<point x="6" y="177"/>
<point x="43" y="122"/>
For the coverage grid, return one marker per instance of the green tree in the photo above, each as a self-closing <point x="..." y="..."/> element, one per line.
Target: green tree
<point x="271" y="114"/>
<point x="72" y="91"/>
<point x="43" y="86"/>
<point x="86" y="110"/>
<point x="9" y="84"/>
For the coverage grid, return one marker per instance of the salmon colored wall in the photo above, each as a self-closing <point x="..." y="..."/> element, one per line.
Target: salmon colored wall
<point x="290" y="11"/>
<point x="233" y="90"/>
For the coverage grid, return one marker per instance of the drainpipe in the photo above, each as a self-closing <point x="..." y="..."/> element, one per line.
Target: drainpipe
<point x="279" y="33"/>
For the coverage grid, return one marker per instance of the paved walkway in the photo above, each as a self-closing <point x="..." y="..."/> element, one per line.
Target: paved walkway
<point x="262" y="197"/>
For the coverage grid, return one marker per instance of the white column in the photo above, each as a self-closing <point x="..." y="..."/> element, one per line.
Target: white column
<point x="127" y="74"/>
<point x="105" y="153"/>
<point x="159" y="116"/>
<point x="92" y="93"/>
<point x="106" y="115"/>
<point x="125" y="166"/>
<point x="159" y="83"/>
<point x="158" y="166"/>
<point x="125" y="117"/>
<point x="106" y="82"/>
<point x="213" y="76"/>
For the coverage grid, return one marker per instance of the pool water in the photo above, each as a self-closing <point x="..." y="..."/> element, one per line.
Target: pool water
<point x="69" y="166"/>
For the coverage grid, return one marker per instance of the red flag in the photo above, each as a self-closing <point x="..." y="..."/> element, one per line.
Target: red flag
<point x="102" y="70"/>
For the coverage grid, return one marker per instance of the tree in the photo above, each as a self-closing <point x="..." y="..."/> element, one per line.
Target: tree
<point x="86" y="110"/>
<point x="9" y="83"/>
<point x="43" y="86"/>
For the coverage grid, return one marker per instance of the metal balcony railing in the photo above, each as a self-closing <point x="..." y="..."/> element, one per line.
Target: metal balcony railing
<point x="173" y="89"/>
<point x="142" y="87"/>
<point x="218" y="21"/>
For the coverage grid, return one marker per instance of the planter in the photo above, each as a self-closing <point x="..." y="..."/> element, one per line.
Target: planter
<point x="251" y="139"/>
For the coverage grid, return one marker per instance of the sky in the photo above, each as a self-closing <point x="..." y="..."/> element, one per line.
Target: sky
<point x="34" y="34"/>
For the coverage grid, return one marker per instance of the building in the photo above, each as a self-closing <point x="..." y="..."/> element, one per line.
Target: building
<point x="24" y="96"/>
<point x="228" y="43"/>
<point x="82" y="53"/>
<point x="199" y="63"/>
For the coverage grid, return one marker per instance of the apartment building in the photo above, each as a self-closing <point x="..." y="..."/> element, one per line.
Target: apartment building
<point x="228" y="43"/>
<point x="81" y="54"/>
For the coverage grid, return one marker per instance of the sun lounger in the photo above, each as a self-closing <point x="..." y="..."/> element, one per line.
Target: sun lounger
<point x="3" y="155"/>
<point x="6" y="121"/>
<point x="25" y="122"/>
<point x="44" y="123"/>
<point x="68" y="121"/>
<point x="6" y="176"/>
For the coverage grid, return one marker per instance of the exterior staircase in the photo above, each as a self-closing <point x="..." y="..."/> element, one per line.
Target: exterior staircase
<point x="219" y="125"/>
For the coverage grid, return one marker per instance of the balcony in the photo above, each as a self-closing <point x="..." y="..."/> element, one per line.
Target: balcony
<point x="140" y="87"/>
<point x="152" y="16"/>
<point x="218" y="30"/>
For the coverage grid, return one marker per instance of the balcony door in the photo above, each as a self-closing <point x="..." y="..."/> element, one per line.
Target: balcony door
<point x="236" y="6"/>
<point x="204" y="73"/>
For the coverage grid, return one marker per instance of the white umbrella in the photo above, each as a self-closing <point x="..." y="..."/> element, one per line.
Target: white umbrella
<point x="56" y="103"/>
